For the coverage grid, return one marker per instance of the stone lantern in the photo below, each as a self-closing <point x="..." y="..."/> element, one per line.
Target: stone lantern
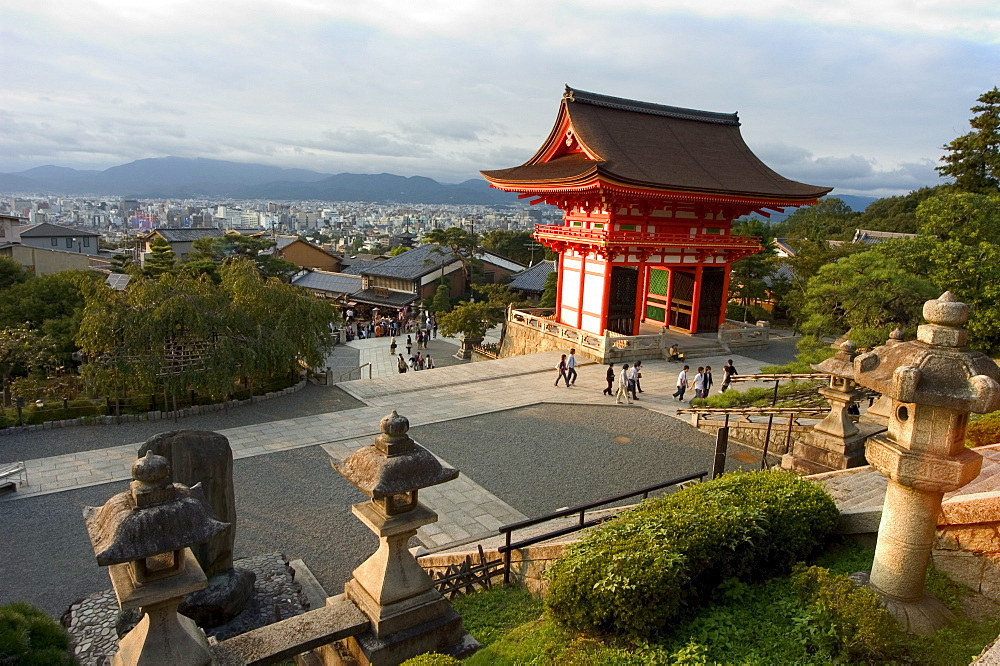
<point x="880" y="410"/>
<point x="836" y="442"/>
<point x="932" y="384"/>
<point x="145" y="536"/>
<point x="408" y="615"/>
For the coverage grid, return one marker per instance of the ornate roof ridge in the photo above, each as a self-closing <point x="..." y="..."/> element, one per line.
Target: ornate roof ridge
<point x="595" y="99"/>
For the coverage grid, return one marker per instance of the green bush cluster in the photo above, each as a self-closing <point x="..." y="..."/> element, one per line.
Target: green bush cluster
<point x="843" y="619"/>
<point x="754" y="397"/>
<point x="749" y="313"/>
<point x="644" y="571"/>
<point x="984" y="430"/>
<point x="29" y="637"/>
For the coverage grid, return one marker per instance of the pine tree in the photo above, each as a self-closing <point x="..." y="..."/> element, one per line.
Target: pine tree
<point x="973" y="159"/>
<point x="161" y="258"/>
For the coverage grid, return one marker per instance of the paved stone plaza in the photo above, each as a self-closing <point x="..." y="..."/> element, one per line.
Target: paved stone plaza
<point x="290" y="500"/>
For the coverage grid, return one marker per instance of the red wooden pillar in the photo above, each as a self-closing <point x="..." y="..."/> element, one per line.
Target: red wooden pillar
<point x="725" y="295"/>
<point x="583" y="275"/>
<point x="696" y="297"/>
<point x="559" y="286"/>
<point x="606" y="299"/>
<point x="670" y="294"/>
<point x="640" y="298"/>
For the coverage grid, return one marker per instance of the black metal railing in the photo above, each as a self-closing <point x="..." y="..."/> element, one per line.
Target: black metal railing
<point x="583" y="523"/>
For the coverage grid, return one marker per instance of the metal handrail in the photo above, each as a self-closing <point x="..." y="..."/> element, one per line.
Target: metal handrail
<point x="506" y="530"/>
<point x="352" y="371"/>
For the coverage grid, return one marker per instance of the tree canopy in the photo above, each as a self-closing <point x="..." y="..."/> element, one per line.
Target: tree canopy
<point x="830" y="219"/>
<point x="973" y="159"/>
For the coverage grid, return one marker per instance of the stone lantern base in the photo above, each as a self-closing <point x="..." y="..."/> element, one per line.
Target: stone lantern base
<point x="465" y="350"/>
<point x="822" y="452"/>
<point x="916" y="617"/>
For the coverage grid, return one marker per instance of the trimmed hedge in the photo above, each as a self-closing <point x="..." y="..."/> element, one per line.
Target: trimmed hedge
<point x="431" y="659"/>
<point x="30" y="637"/>
<point x="644" y="571"/>
<point x="984" y="430"/>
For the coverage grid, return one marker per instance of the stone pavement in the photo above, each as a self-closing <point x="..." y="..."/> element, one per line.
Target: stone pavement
<point x="466" y="510"/>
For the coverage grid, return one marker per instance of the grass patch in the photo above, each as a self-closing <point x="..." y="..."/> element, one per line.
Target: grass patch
<point x="491" y="614"/>
<point x="743" y="624"/>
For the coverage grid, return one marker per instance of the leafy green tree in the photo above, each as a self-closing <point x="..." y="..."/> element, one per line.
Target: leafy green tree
<point x="221" y="249"/>
<point x="459" y="242"/>
<point x="22" y="349"/>
<point x="830" y="219"/>
<point x="514" y="245"/>
<point x="442" y="299"/>
<point x="472" y="319"/>
<point x="548" y="299"/>
<point x="12" y="273"/>
<point x="896" y="214"/>
<point x="398" y="250"/>
<point x="747" y="282"/>
<point x="120" y="263"/>
<point x="965" y="217"/>
<point x="162" y="258"/>
<point x="866" y="294"/>
<point x="182" y="332"/>
<point x="973" y="159"/>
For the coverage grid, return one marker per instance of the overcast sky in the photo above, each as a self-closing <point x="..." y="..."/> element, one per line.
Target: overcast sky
<point x="855" y="94"/>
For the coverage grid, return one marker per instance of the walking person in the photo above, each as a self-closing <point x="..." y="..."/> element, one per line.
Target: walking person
<point x="730" y="371"/>
<point x="401" y="364"/>
<point x="434" y="326"/>
<point x="562" y="371"/>
<point x="409" y="345"/>
<point x="623" y="386"/>
<point x="638" y="375"/>
<point x="699" y="383"/>
<point x="420" y="339"/>
<point x="708" y="380"/>
<point x="611" y="380"/>
<point x="571" y="367"/>
<point x="633" y="380"/>
<point x="429" y="362"/>
<point x="682" y="382"/>
<point x="392" y="346"/>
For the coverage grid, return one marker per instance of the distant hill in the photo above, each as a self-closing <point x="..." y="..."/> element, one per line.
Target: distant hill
<point x="857" y="203"/>
<point x="165" y="177"/>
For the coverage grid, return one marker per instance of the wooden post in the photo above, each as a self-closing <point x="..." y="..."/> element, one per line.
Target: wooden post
<point x="696" y="297"/>
<point x="583" y="276"/>
<point x="725" y="294"/>
<point x="559" y="286"/>
<point x="721" y="446"/>
<point x="606" y="298"/>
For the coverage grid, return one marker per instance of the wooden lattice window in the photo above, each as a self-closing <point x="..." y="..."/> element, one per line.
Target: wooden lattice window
<point x="658" y="282"/>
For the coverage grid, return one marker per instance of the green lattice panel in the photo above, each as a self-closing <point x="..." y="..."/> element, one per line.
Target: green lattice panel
<point x="655" y="313"/>
<point x="658" y="282"/>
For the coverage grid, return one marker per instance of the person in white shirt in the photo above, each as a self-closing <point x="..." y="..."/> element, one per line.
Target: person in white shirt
<point x="682" y="383"/>
<point x="623" y="386"/>
<point x="699" y="383"/>
<point x="633" y="380"/>
<point x="571" y="368"/>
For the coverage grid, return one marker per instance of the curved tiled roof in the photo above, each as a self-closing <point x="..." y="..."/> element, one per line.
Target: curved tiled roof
<point x="653" y="146"/>
<point x="533" y="279"/>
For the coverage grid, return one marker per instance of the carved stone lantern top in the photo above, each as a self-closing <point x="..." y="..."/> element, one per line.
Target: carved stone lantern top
<point x="394" y="464"/>
<point x="936" y="369"/>
<point x="154" y="516"/>
<point x="841" y="364"/>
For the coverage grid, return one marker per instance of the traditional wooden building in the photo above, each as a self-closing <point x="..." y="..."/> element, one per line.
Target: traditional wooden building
<point x="649" y="193"/>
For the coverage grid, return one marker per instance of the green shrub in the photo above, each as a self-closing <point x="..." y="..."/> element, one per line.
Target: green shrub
<point x="749" y="314"/>
<point x="984" y="430"/>
<point x="645" y="570"/>
<point x="28" y="636"/>
<point x="757" y="396"/>
<point x="431" y="659"/>
<point x="843" y="619"/>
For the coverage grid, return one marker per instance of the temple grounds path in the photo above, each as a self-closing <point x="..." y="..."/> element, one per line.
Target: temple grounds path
<point x="549" y="452"/>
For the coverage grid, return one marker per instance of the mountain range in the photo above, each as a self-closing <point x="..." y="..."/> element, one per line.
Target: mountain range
<point x="178" y="177"/>
<point x="186" y="178"/>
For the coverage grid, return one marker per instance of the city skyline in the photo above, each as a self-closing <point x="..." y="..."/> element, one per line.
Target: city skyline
<point x="861" y="98"/>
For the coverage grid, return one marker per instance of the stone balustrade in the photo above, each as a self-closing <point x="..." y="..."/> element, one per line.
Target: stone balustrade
<point x="739" y="335"/>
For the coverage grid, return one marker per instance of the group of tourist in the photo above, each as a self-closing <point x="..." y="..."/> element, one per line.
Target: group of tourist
<point x="417" y="362"/>
<point x="629" y="385"/>
<point x="378" y="326"/>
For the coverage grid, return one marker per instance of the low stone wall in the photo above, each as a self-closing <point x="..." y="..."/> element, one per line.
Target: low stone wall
<point x="753" y="434"/>
<point x="152" y="416"/>
<point x="520" y="340"/>
<point x="527" y="565"/>
<point x="967" y="546"/>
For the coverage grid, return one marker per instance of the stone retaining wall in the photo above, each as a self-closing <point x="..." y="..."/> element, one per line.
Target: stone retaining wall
<point x="527" y="565"/>
<point x="152" y="416"/>
<point x="753" y="435"/>
<point x="967" y="545"/>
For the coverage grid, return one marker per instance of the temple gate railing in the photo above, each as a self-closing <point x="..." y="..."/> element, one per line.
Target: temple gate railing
<point x="608" y="348"/>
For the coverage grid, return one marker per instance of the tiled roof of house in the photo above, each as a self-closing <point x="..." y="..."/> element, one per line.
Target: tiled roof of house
<point x="330" y="282"/>
<point x="395" y="299"/>
<point x="46" y="230"/>
<point x="412" y="264"/>
<point x="187" y="235"/>
<point x="869" y="237"/>
<point x="533" y="279"/>
<point x="649" y="145"/>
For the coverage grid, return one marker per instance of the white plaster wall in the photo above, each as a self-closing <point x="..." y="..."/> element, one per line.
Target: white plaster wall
<point x="591" y="324"/>
<point x="593" y="293"/>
